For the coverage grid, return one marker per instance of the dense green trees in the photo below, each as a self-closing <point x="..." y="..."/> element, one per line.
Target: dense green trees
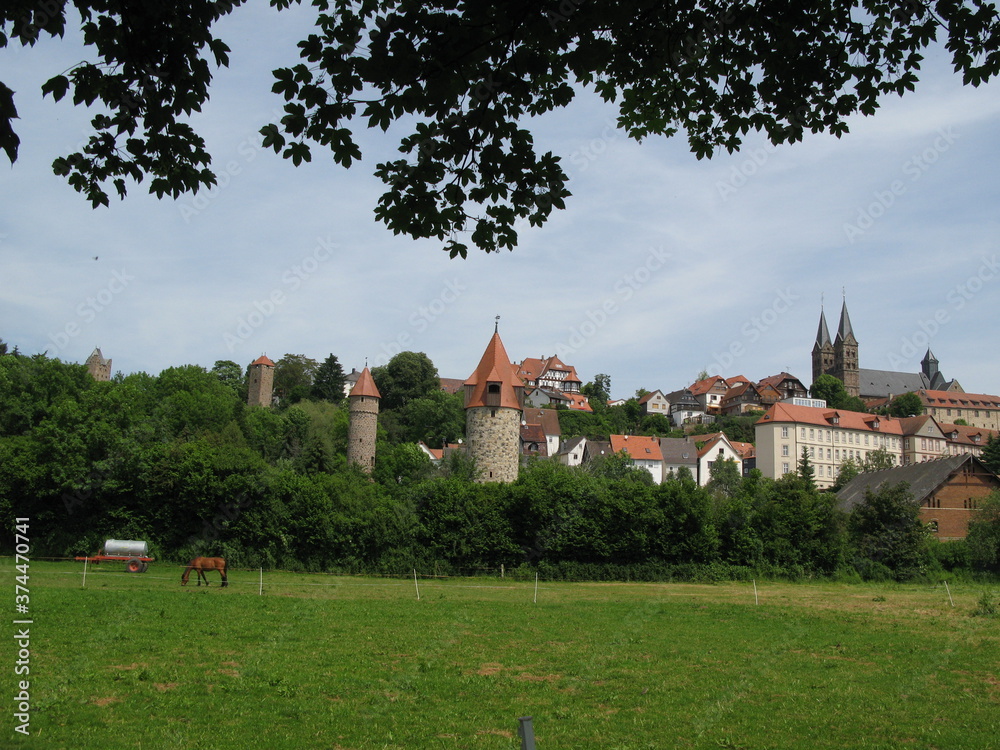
<point x="179" y="460"/>
<point x="984" y="535"/>
<point x="405" y="377"/>
<point x="886" y="534"/>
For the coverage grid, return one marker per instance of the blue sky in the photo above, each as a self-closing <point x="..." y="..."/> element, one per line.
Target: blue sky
<point x="661" y="266"/>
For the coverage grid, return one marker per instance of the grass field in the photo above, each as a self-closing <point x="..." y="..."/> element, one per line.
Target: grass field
<point x="137" y="661"/>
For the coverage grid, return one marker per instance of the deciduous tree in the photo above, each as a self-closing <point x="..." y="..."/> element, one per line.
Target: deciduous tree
<point x="463" y="79"/>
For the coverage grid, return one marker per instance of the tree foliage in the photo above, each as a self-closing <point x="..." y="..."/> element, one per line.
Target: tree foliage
<point x="328" y="382"/>
<point x="984" y="534"/>
<point x="906" y="405"/>
<point x="405" y="377"/>
<point x="887" y="535"/>
<point x="180" y="460"/>
<point x="463" y="78"/>
<point x="293" y="377"/>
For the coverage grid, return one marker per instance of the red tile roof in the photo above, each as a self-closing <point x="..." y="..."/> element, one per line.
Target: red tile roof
<point x="846" y="420"/>
<point x="638" y="447"/>
<point x="452" y="385"/>
<point x="959" y="400"/>
<point x="365" y="385"/>
<point x="577" y="401"/>
<point x="262" y="360"/>
<point x="966" y="434"/>
<point x="494" y="368"/>
<point x="703" y="386"/>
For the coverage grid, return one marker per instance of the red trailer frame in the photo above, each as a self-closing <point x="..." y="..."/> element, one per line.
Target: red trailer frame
<point x="133" y="564"/>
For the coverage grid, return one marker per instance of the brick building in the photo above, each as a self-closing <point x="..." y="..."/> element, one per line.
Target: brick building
<point x="948" y="491"/>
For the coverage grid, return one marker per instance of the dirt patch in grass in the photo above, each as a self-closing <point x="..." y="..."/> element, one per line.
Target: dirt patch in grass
<point x="497" y="732"/>
<point x="525" y="677"/>
<point x="105" y="701"/>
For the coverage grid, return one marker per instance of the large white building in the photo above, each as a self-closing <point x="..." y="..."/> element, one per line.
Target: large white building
<point x="829" y="436"/>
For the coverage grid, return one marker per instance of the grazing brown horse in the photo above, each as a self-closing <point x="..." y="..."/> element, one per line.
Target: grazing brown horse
<point x="200" y="565"/>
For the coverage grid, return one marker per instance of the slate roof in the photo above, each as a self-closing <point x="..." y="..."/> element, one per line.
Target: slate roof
<point x="595" y="448"/>
<point x="845" y="328"/>
<point x="924" y="478"/>
<point x="679" y="451"/>
<point x="823" y="333"/>
<point x="888" y="383"/>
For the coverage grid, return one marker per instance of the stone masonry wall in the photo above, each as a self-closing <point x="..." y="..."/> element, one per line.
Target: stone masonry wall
<point x="362" y="431"/>
<point x="261" y="385"/>
<point x="494" y="436"/>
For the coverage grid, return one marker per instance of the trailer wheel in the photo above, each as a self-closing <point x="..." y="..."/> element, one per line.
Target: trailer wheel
<point x="134" y="565"/>
<point x="145" y="566"/>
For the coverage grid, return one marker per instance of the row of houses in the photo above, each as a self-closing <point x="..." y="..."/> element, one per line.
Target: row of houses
<point x="705" y="400"/>
<point x="541" y="437"/>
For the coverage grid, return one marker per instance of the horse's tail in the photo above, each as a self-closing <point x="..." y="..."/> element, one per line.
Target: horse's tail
<point x="224" y="571"/>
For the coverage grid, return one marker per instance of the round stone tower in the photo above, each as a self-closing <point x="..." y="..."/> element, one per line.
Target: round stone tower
<point x="494" y="400"/>
<point x="363" y="404"/>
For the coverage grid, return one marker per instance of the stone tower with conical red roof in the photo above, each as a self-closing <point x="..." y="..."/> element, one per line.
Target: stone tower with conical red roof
<point x="363" y="404"/>
<point x="260" y="382"/>
<point x="494" y="400"/>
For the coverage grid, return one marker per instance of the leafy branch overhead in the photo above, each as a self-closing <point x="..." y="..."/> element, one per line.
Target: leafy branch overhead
<point x="467" y="77"/>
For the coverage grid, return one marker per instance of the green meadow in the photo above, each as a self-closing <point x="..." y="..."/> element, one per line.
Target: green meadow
<point x="317" y="661"/>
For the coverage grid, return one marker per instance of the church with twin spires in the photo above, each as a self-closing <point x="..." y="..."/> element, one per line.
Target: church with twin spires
<point x="839" y="357"/>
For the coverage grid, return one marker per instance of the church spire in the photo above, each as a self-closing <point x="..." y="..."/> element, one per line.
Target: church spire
<point x="823" y="334"/>
<point x="845" y="330"/>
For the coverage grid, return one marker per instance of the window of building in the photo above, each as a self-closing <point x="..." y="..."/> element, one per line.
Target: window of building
<point x="812" y="433"/>
<point x="784" y="432"/>
<point x="784" y="450"/>
<point x="784" y="467"/>
<point x="866" y="440"/>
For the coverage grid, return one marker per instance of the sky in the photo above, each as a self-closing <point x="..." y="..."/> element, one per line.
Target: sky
<point x="661" y="266"/>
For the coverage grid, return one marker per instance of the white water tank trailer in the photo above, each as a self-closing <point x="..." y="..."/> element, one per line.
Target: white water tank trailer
<point x="134" y="553"/>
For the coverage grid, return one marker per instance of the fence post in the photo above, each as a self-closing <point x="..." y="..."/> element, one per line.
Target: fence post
<point x="526" y="732"/>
